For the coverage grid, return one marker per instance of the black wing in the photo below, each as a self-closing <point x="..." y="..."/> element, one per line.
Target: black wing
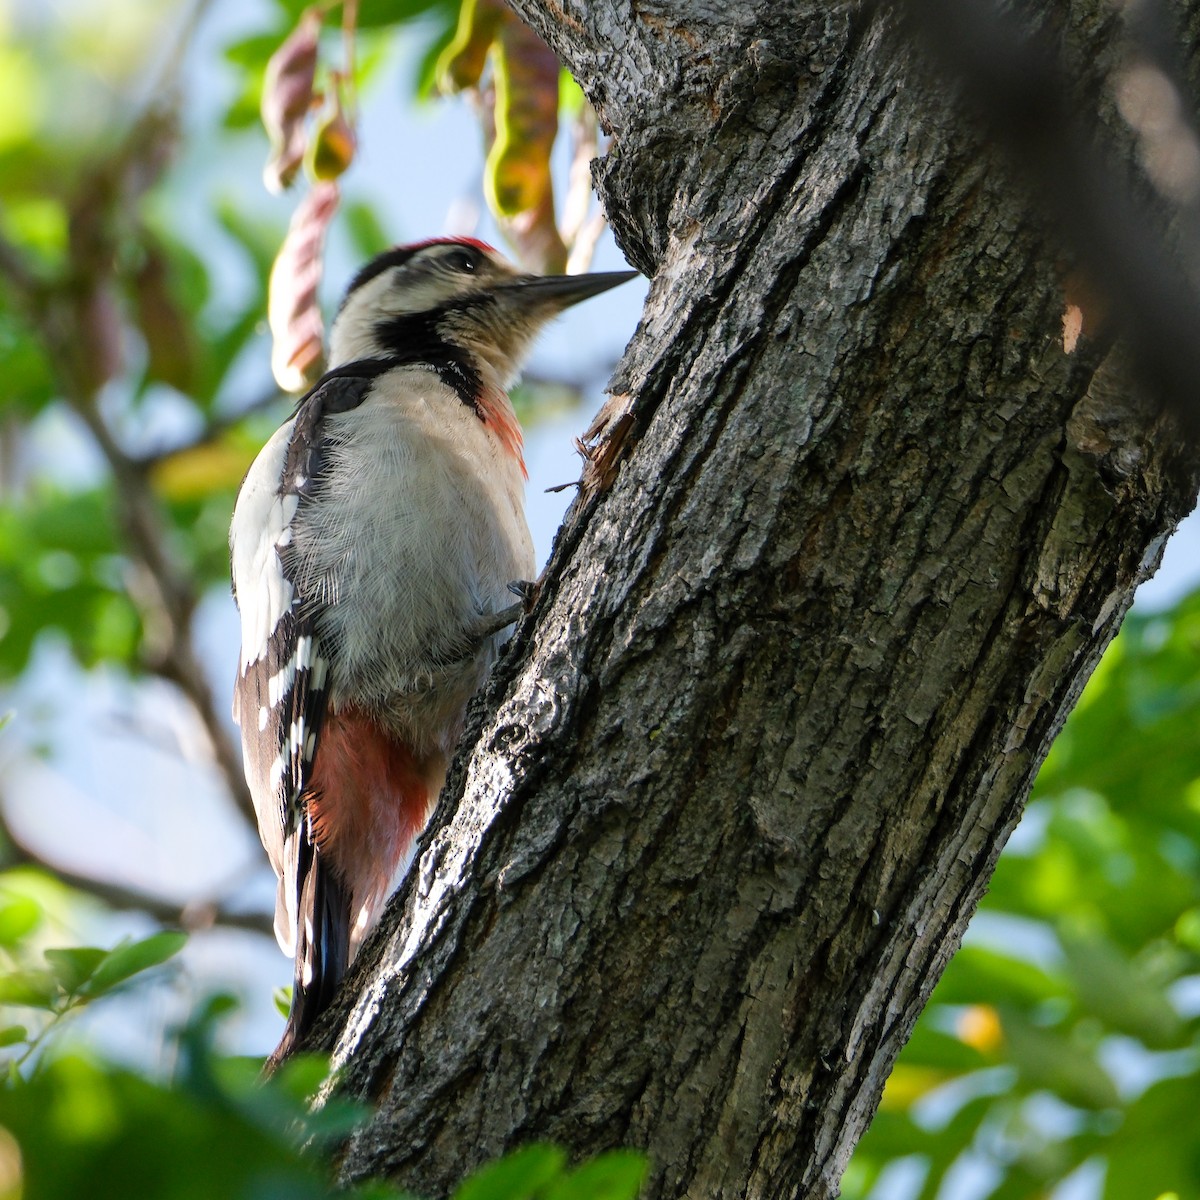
<point x="281" y="696"/>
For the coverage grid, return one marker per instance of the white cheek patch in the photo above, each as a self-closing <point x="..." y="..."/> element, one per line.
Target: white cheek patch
<point x="391" y="294"/>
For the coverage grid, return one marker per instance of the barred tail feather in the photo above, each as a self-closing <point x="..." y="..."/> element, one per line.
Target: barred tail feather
<point x="322" y="945"/>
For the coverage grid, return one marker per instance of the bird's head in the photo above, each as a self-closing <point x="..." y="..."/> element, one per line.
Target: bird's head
<point x="453" y="297"/>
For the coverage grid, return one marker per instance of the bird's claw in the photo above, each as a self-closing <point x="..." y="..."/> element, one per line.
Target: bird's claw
<point x="527" y="590"/>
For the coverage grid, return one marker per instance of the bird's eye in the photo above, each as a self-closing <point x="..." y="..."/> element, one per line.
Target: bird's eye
<point x="462" y="260"/>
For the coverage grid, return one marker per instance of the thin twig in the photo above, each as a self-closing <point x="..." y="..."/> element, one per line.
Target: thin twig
<point x="193" y="915"/>
<point x="214" y="428"/>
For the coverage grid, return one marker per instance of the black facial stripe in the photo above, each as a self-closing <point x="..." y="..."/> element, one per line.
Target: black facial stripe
<point x="414" y="338"/>
<point x="457" y="374"/>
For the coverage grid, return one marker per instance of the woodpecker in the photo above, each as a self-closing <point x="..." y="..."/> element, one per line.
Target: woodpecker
<point x="373" y="545"/>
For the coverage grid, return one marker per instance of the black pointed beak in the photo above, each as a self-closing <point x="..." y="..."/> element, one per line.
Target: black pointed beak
<point x="556" y="292"/>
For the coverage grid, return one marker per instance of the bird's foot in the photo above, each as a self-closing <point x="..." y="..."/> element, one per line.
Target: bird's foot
<point x="528" y="590"/>
<point x="492" y="623"/>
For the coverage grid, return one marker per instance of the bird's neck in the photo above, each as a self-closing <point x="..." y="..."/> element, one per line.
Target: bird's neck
<point x="476" y="383"/>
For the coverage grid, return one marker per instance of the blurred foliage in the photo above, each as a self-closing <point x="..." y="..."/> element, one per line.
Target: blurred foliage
<point x="73" y="1125"/>
<point x="1065" y="1036"/>
<point x="109" y="315"/>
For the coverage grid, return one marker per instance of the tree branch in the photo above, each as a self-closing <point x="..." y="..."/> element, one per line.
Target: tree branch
<point x="193" y="915"/>
<point x="214" y="428"/>
<point x="169" y="641"/>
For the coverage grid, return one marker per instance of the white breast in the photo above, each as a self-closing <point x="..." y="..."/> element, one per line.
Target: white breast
<point x="418" y="529"/>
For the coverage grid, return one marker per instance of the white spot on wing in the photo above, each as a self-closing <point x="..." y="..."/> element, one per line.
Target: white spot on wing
<point x="278" y="684"/>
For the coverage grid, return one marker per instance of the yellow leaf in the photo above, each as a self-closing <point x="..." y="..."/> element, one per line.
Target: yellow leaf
<point x="979" y="1026"/>
<point x="906" y="1085"/>
<point x="201" y="470"/>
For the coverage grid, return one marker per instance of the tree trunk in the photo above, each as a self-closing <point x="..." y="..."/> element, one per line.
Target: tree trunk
<point x="741" y="780"/>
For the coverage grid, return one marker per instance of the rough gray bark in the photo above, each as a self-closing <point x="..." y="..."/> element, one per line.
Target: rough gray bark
<point x="745" y="773"/>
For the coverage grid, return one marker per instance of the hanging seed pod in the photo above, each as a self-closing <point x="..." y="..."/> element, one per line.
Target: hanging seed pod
<point x="462" y="62"/>
<point x="332" y="146"/>
<point x="297" y="330"/>
<point x="287" y="97"/>
<point x="517" y="177"/>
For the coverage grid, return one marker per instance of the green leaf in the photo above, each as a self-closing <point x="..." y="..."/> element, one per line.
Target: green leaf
<point x="28" y="380"/>
<point x="131" y="958"/>
<point x="29" y="989"/>
<point x="19" y="917"/>
<point x="10" y="1035"/>
<point x="1111" y="988"/>
<point x="517" y="1176"/>
<point x="977" y="975"/>
<point x="930" y="1047"/>
<point x="373" y="13"/>
<point x="617" y="1175"/>
<point x="254" y="51"/>
<point x="72" y="966"/>
<point x="1047" y="1059"/>
<point x="1156" y="1151"/>
<point x="365" y="230"/>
